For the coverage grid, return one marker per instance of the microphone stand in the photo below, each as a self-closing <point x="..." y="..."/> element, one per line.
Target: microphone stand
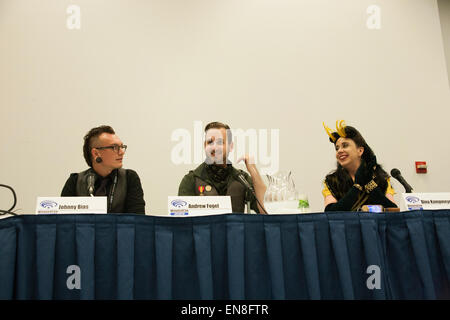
<point x="252" y="190"/>
<point x="398" y="176"/>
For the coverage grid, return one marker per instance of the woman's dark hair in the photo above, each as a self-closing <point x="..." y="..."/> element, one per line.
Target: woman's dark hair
<point x="89" y="137"/>
<point x="339" y="180"/>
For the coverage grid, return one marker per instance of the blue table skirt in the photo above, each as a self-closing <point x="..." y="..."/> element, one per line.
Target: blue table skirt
<point x="234" y="256"/>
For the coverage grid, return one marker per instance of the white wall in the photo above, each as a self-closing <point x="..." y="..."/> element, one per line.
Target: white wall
<point x="444" y="15"/>
<point x="150" y="67"/>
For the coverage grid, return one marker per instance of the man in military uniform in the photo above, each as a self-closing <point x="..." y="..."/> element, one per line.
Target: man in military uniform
<point x="104" y="153"/>
<point x="217" y="176"/>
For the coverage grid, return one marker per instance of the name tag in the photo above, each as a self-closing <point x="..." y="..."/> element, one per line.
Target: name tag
<point x="426" y="201"/>
<point x="199" y="205"/>
<point x="70" y="205"/>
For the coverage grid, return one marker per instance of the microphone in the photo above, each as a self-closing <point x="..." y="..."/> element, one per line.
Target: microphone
<point x="397" y="175"/>
<point x="244" y="181"/>
<point x="90" y="183"/>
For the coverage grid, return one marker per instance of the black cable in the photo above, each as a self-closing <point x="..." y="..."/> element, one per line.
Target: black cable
<point x="2" y="212"/>
<point x="262" y="207"/>
<point x="254" y="194"/>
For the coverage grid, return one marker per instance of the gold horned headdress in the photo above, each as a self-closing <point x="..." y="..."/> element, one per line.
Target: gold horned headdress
<point x="340" y="130"/>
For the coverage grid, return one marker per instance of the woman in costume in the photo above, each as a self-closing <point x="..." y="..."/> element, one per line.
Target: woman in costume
<point x="358" y="179"/>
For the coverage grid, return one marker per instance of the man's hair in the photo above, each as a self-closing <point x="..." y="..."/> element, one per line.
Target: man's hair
<point x="220" y="125"/>
<point x="89" y="137"/>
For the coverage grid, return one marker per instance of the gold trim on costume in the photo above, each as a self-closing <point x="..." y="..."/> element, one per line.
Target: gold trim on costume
<point x="370" y="186"/>
<point x="362" y="198"/>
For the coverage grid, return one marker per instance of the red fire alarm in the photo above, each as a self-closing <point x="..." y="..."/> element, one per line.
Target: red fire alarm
<point x="421" y="167"/>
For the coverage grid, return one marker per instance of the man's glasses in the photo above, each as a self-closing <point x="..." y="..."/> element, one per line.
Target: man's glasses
<point x="115" y="147"/>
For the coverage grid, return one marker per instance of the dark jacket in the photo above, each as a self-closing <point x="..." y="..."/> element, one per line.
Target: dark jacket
<point x="239" y="194"/>
<point x="134" y="196"/>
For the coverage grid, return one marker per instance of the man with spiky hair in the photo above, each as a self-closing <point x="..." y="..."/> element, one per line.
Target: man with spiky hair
<point x="104" y="152"/>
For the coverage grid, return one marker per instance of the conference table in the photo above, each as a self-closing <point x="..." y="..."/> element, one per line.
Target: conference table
<point x="341" y="255"/>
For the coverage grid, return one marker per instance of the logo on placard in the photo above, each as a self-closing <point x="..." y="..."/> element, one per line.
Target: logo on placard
<point x="181" y="206"/>
<point x="48" y="204"/>
<point x="412" y="199"/>
<point x="179" y="203"/>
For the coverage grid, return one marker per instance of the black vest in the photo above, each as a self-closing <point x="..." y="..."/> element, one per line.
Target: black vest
<point x="120" y="191"/>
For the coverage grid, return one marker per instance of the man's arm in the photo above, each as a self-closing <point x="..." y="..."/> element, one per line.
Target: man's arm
<point x="70" y="188"/>
<point x="187" y="185"/>
<point x="258" y="183"/>
<point x="134" y="202"/>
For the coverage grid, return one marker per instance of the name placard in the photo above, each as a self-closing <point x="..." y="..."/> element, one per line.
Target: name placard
<point x="426" y="201"/>
<point x="70" y="205"/>
<point x="199" y="205"/>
